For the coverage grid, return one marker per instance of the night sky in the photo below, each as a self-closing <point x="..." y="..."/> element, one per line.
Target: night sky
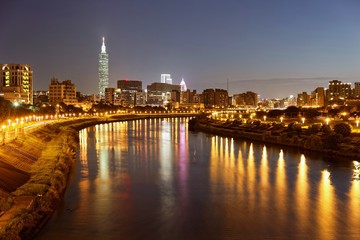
<point x="273" y="47"/>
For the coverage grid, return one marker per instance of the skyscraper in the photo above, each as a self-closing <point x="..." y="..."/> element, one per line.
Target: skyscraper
<point x="103" y="70"/>
<point x="183" y="87"/>
<point x="166" y="78"/>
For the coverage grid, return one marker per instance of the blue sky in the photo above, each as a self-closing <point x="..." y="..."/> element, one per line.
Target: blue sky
<point x="275" y="48"/>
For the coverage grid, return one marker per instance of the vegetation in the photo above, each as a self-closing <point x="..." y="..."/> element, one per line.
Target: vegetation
<point x="9" y="110"/>
<point x="343" y="129"/>
<point x="5" y="203"/>
<point x="316" y="137"/>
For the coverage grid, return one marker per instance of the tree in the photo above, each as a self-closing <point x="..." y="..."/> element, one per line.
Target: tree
<point x="311" y="113"/>
<point x="333" y="112"/>
<point x="343" y="128"/>
<point x="275" y="113"/>
<point x="291" y="112"/>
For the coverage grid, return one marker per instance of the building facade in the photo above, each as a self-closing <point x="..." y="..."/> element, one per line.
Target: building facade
<point x="130" y="85"/>
<point x="357" y="90"/>
<point x="318" y="97"/>
<point x="338" y="91"/>
<point x="166" y="78"/>
<point x="103" y="70"/>
<point x="62" y="92"/>
<point x="248" y="99"/>
<point x="16" y="83"/>
<point x="215" y="98"/>
<point x="109" y="95"/>
<point x="160" y="93"/>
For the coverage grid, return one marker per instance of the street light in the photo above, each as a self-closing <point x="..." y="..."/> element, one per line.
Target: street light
<point x="281" y="119"/>
<point x="327" y="120"/>
<point x="264" y="118"/>
<point x="303" y="120"/>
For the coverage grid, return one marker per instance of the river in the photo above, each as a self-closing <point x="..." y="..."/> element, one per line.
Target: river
<point x="155" y="179"/>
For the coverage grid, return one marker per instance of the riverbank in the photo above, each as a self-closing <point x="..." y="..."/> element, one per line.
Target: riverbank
<point x="314" y="139"/>
<point x="43" y="159"/>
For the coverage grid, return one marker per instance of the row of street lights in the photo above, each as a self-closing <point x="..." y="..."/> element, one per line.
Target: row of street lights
<point x="225" y="116"/>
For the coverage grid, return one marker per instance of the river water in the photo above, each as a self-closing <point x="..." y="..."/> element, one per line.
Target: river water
<point x="155" y="179"/>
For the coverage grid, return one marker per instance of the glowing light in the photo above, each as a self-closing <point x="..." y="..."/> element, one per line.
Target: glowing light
<point x="103" y="70"/>
<point x="356" y="173"/>
<point x="303" y="120"/>
<point x="327" y="120"/>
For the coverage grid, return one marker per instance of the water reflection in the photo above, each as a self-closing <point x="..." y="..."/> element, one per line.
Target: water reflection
<point x="153" y="179"/>
<point x="354" y="206"/>
<point x="302" y="197"/>
<point x="281" y="189"/>
<point x="326" y="207"/>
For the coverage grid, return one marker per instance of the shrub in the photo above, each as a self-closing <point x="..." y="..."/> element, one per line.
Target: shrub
<point x="256" y="122"/>
<point x="294" y="126"/>
<point x="326" y="129"/>
<point x="332" y="141"/>
<point x="313" y="143"/>
<point x="290" y="125"/>
<point x="315" y="128"/>
<point x="5" y="203"/>
<point x="343" y="128"/>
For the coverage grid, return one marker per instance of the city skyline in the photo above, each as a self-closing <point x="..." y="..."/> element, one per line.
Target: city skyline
<point x="276" y="49"/>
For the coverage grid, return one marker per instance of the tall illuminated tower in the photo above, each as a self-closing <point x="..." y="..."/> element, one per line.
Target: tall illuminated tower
<point x="103" y="70"/>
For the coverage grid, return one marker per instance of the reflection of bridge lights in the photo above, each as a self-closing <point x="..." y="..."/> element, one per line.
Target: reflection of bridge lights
<point x="356" y="172"/>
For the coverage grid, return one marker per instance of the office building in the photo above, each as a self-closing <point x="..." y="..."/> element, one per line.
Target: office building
<point x="166" y="78"/>
<point x="16" y="83"/>
<point x="130" y="85"/>
<point x="103" y="70"/>
<point x="62" y="92"/>
<point x="215" y="98"/>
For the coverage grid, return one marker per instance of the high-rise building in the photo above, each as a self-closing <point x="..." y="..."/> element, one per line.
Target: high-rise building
<point x="160" y="93"/>
<point x="339" y="90"/>
<point x="187" y="96"/>
<point x="166" y="78"/>
<point x="215" y="98"/>
<point x="248" y="99"/>
<point x="109" y="95"/>
<point x="318" y="97"/>
<point x="130" y="85"/>
<point x="183" y="87"/>
<point x="357" y="90"/>
<point x="16" y="83"/>
<point x="103" y="70"/>
<point x="62" y="92"/>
